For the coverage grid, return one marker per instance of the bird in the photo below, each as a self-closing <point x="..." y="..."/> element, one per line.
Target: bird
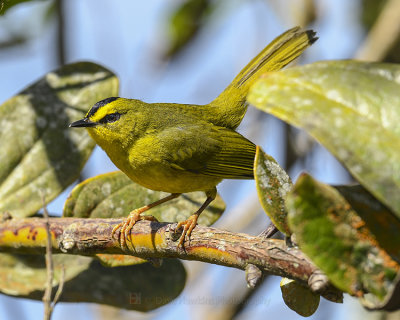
<point x="181" y="148"/>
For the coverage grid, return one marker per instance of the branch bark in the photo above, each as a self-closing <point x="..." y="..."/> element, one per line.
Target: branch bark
<point x="158" y="240"/>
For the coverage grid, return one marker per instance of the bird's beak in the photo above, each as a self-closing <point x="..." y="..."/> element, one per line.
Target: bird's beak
<point x="85" y="122"/>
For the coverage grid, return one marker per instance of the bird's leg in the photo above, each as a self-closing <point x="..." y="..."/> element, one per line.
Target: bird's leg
<point x="135" y="216"/>
<point x="189" y="224"/>
<point x="269" y="232"/>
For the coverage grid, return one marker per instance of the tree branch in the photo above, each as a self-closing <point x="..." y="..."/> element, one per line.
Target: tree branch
<point x="158" y="240"/>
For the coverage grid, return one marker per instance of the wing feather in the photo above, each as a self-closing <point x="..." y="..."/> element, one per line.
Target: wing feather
<point x="206" y="149"/>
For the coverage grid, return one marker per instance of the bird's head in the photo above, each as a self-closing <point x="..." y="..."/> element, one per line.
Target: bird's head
<point x="108" y="121"/>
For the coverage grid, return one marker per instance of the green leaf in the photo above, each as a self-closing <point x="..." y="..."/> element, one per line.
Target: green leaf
<point x="39" y="154"/>
<point x="352" y="108"/>
<point x="379" y="220"/>
<point x="338" y="240"/>
<point x="272" y="184"/>
<point x="25" y="275"/>
<point x="114" y="195"/>
<point x="141" y="287"/>
<point x="299" y="298"/>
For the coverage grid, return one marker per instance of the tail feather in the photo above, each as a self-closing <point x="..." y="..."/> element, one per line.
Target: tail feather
<point x="231" y="104"/>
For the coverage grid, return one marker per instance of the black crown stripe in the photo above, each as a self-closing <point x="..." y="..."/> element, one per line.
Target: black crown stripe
<point x="100" y="104"/>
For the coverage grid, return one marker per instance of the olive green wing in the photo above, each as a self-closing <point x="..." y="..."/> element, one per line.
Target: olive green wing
<point x="235" y="160"/>
<point x="207" y="149"/>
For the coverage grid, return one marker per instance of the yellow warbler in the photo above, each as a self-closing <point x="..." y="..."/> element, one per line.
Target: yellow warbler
<point x="180" y="148"/>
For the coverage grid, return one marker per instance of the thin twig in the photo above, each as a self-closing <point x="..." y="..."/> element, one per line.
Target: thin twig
<point x="61" y="30"/>
<point x="60" y="287"/>
<point x="48" y="304"/>
<point x="49" y="266"/>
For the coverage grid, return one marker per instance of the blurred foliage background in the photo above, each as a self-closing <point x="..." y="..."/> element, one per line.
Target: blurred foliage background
<point x="187" y="52"/>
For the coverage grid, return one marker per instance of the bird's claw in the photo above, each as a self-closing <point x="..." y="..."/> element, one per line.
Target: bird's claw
<point x="188" y="225"/>
<point x="126" y="227"/>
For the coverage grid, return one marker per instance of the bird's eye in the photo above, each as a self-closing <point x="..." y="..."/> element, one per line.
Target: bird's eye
<point x="112" y="117"/>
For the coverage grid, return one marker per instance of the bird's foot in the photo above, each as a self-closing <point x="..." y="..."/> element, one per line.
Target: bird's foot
<point x="127" y="225"/>
<point x="188" y="225"/>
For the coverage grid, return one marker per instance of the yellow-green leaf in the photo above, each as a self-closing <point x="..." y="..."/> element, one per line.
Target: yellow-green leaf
<point x="39" y="155"/>
<point x="273" y="183"/>
<point x="352" y="108"/>
<point x="114" y="195"/>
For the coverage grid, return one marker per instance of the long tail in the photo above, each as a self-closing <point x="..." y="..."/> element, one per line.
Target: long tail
<point x="230" y="106"/>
